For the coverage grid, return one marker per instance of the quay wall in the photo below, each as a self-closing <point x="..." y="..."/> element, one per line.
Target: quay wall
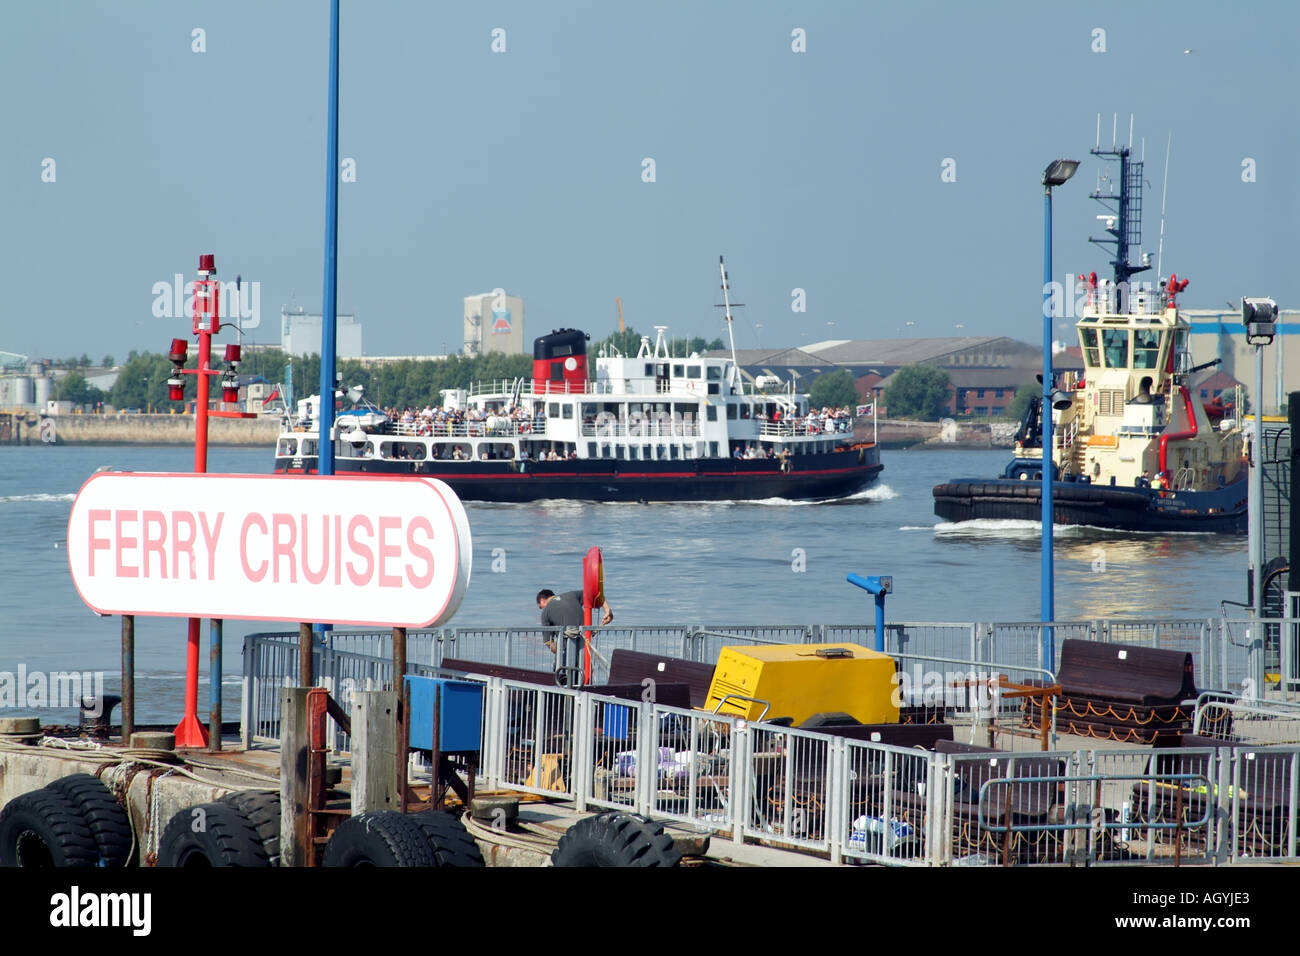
<point x="900" y="433"/>
<point x="141" y="429"/>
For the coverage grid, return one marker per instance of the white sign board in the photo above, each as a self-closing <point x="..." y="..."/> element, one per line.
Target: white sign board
<point x="347" y="550"/>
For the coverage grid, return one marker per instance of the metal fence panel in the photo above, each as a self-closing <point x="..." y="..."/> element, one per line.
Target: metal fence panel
<point x="790" y="787"/>
<point x="1161" y="805"/>
<point x="615" y="728"/>
<point x="1264" y="804"/>
<point x="696" y="769"/>
<point x="539" y="734"/>
<point x="885" y="810"/>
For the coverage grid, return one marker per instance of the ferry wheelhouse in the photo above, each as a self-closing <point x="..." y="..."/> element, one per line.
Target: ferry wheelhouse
<point x="649" y="427"/>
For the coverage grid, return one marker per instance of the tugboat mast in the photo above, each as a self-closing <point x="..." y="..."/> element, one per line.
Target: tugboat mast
<point x="1124" y="223"/>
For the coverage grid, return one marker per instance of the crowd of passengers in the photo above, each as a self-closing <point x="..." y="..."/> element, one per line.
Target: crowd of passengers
<point x="442" y="421"/>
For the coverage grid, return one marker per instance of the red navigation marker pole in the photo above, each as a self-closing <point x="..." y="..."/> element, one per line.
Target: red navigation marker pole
<point x="207" y="322"/>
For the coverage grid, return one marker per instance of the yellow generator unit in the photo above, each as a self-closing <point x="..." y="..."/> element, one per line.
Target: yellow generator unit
<point x="799" y="680"/>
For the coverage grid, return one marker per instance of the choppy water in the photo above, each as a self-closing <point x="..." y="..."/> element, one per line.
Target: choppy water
<point x="713" y="563"/>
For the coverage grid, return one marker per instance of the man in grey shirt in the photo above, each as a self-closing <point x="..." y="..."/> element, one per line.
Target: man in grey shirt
<point x="565" y="610"/>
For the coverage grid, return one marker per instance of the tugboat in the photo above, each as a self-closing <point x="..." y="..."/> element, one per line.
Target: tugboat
<point x="1131" y="449"/>
<point x="654" y="427"/>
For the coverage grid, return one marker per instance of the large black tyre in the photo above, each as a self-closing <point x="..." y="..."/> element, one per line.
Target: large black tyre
<point x="448" y="839"/>
<point x="107" y="819"/>
<point x="616" y="839"/>
<point x="261" y="808"/>
<point x="44" y="828"/>
<point x="379" y="838"/>
<point x="210" y="834"/>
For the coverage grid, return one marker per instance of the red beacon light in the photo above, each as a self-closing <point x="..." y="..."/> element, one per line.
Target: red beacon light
<point x="180" y="350"/>
<point x="229" y="384"/>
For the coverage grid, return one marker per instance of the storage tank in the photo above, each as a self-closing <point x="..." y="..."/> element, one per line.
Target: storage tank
<point x="22" y="390"/>
<point x="44" y="388"/>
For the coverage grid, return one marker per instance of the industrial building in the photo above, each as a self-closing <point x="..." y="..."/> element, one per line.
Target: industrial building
<point x="300" y="333"/>
<point x="494" y="322"/>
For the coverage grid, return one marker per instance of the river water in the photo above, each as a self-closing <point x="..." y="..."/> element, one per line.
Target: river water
<point x="773" y="562"/>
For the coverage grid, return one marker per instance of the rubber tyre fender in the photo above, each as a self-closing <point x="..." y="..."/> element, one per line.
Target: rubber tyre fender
<point x="448" y="839"/>
<point x="43" y="828"/>
<point x="262" y="810"/>
<point x="616" y="839"/>
<point x="107" y="819"/>
<point x="211" y="835"/>
<point x="379" y="838"/>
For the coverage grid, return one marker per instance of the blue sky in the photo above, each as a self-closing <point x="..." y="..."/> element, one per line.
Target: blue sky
<point x="818" y="171"/>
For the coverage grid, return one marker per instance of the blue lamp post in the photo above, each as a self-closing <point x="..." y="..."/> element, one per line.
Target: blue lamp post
<point x="879" y="585"/>
<point x="329" y="340"/>
<point x="1056" y="173"/>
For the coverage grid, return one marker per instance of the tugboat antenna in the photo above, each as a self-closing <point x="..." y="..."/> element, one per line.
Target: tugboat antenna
<point x="1164" y="191"/>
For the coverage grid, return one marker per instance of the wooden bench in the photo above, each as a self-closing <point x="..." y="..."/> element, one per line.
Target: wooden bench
<point x="1120" y="691"/>
<point x="504" y="671"/>
<point x="633" y="667"/>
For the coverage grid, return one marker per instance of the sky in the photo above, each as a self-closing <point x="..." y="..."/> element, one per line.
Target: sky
<point x="885" y="159"/>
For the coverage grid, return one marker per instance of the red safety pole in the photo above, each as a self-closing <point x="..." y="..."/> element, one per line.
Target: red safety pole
<point x="190" y="732"/>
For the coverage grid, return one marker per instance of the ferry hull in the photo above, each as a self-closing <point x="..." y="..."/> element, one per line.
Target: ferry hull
<point x="1222" y="511"/>
<point x="812" y="477"/>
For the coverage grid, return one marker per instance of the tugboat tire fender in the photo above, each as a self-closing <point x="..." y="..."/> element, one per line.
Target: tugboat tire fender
<point x="448" y="839"/>
<point x="104" y="816"/>
<point x="261" y="808"/>
<point x="616" y="839"/>
<point x="44" y="828"/>
<point x="379" y="838"/>
<point x="211" y="834"/>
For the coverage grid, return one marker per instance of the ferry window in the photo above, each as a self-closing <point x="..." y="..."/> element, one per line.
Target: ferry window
<point x="711" y="412"/>
<point x="1146" y="348"/>
<point x="713" y="449"/>
<point x="715" y="373"/>
<point x="588" y="411"/>
<point x="731" y="411"/>
<point x="591" y="449"/>
<point x="679" y="371"/>
<point x="692" y="371"/>
<point x="618" y="452"/>
<point x="650" y="369"/>
<point x="604" y="451"/>
<point x="553" y="410"/>
<point x="645" y="452"/>
<point x="714" y="389"/>
<point x="309" y="446"/>
<point x="659" y="452"/>
<point x="288" y="447"/>
<point x="745" y="410"/>
<point x="673" y="451"/>
<point x="632" y="452"/>
<point x="567" y="409"/>
<point x="1114" y="343"/>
